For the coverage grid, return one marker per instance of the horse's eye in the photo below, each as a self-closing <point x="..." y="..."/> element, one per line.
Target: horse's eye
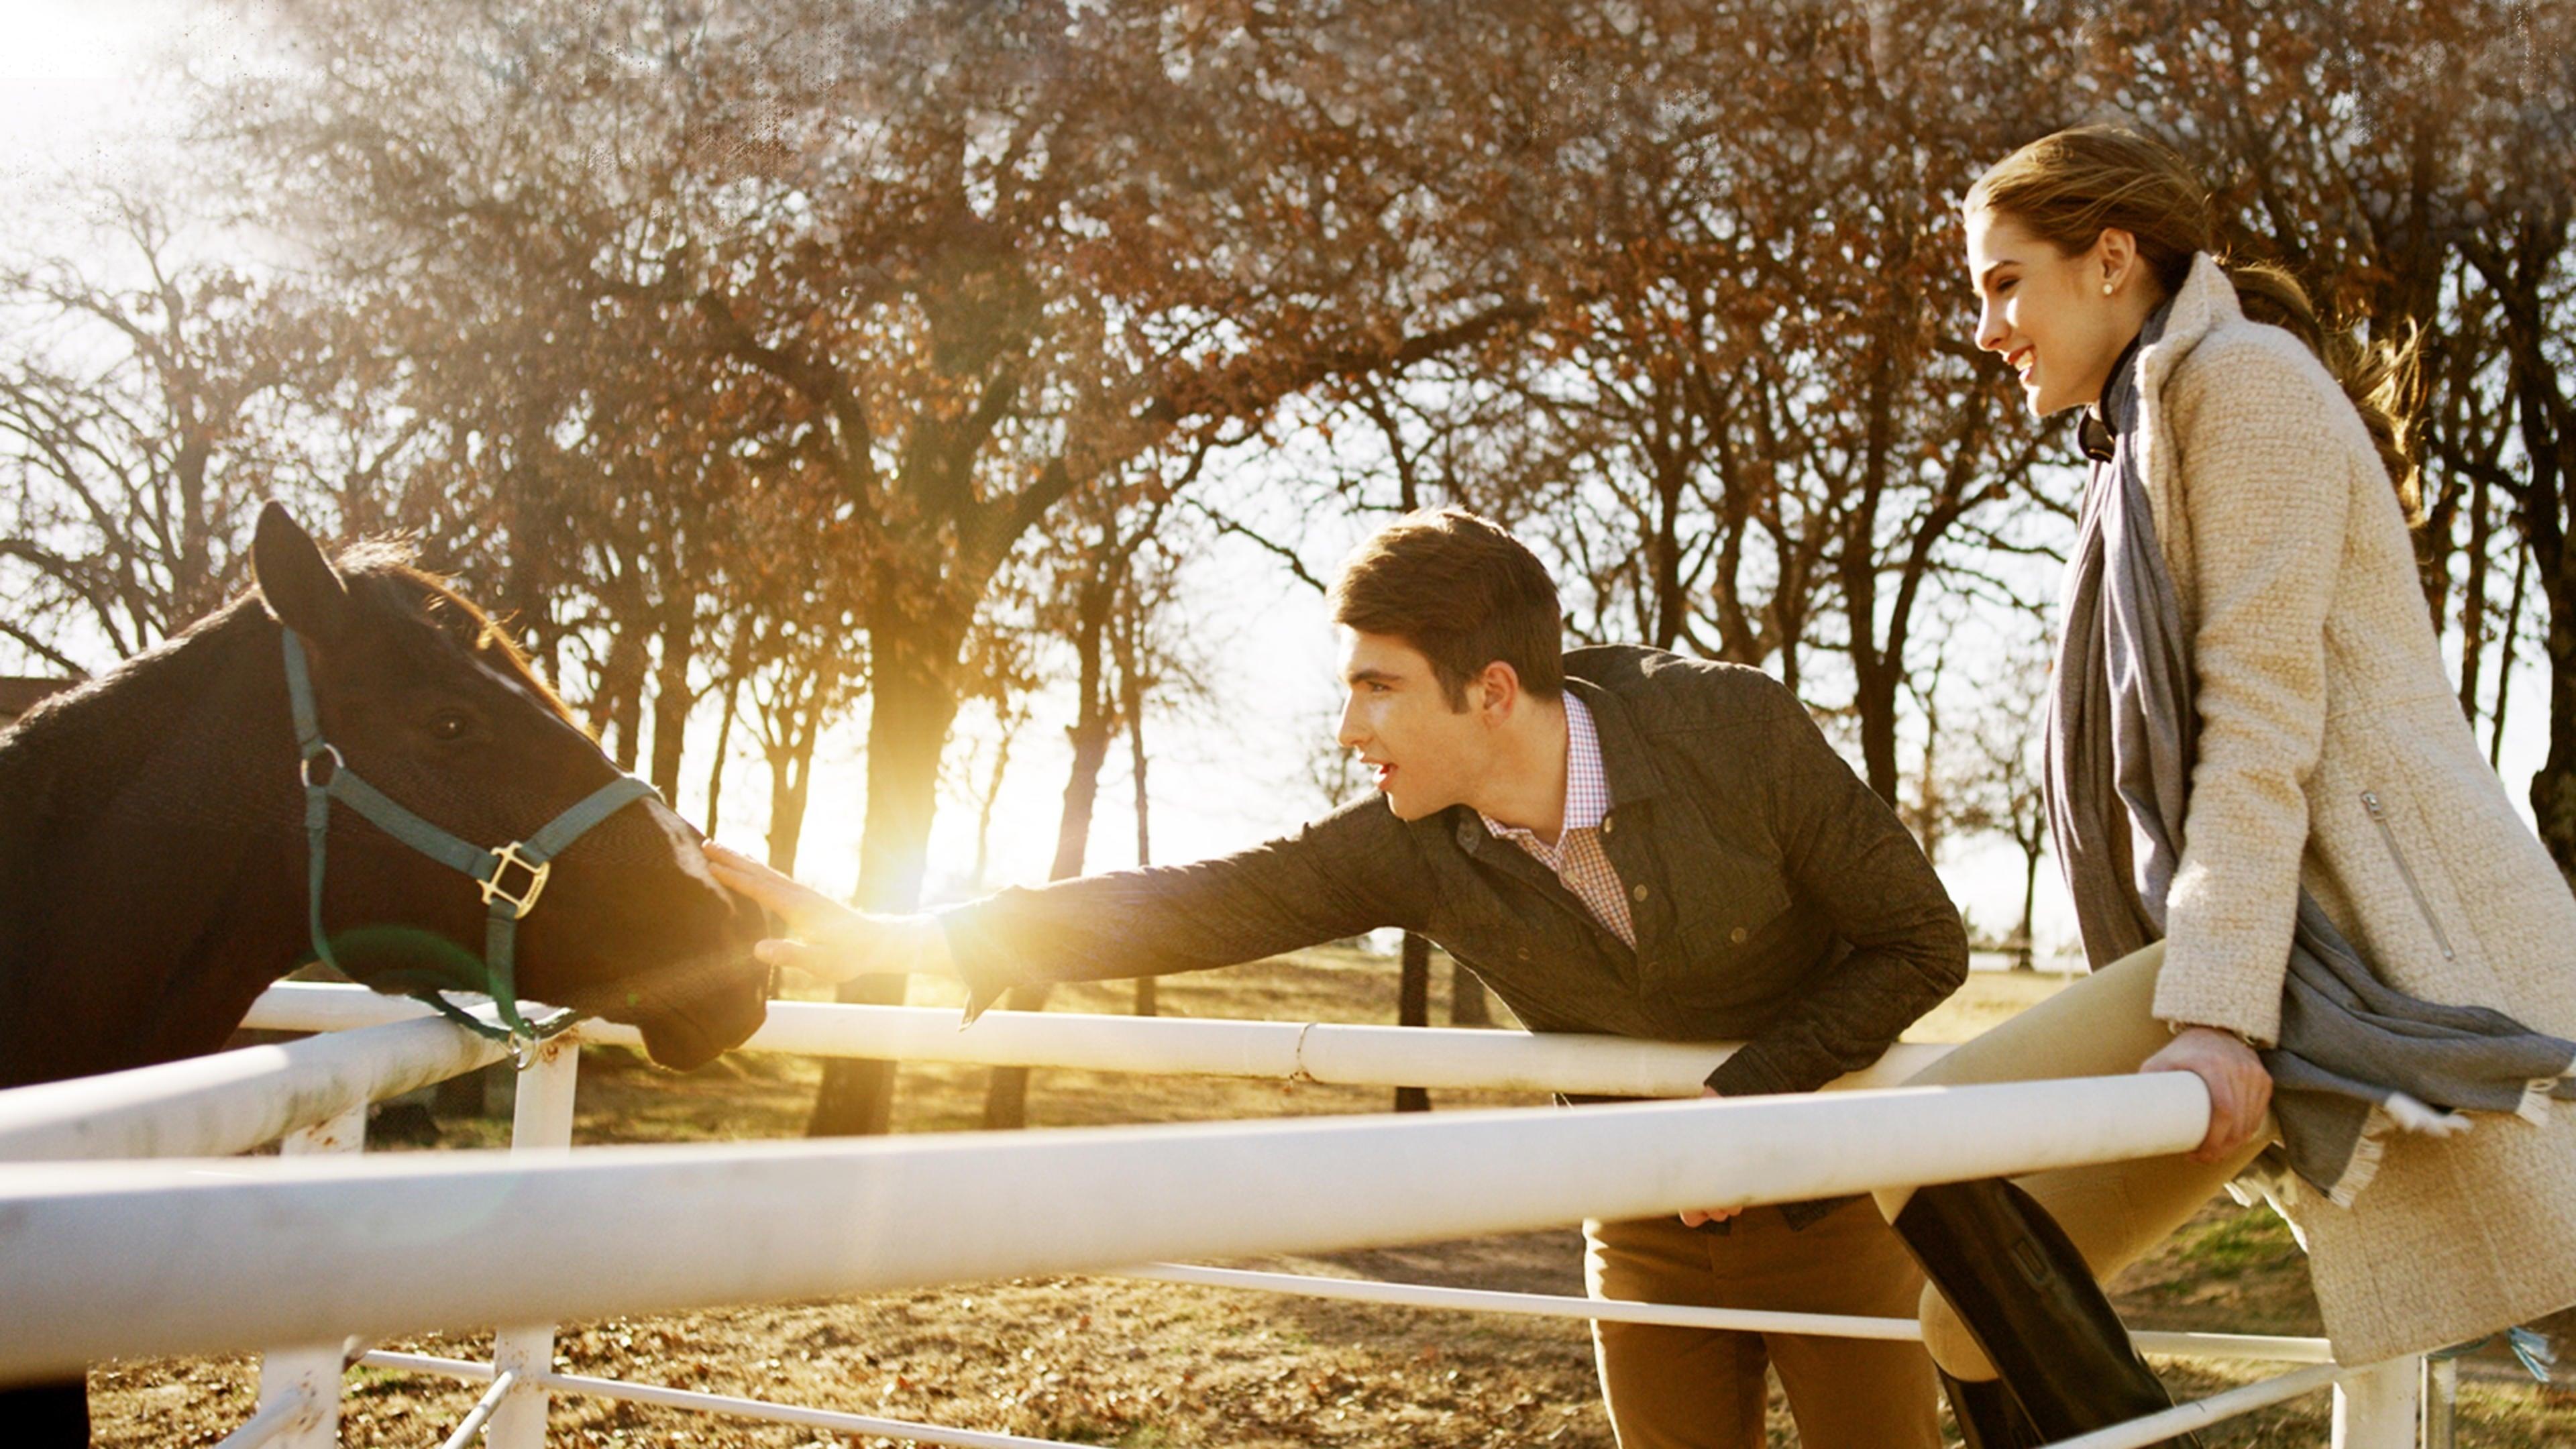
<point x="449" y="725"/>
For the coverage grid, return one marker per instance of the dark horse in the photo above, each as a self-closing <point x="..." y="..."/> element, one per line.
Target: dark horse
<point x="153" y="853"/>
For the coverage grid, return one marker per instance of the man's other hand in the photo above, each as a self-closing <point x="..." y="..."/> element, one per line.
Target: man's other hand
<point x="826" y="939"/>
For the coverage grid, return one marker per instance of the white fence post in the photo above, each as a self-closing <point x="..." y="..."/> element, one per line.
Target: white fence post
<point x="312" y="1371"/>
<point x="2441" y="1403"/>
<point x="2376" y="1408"/>
<point x="540" y="1122"/>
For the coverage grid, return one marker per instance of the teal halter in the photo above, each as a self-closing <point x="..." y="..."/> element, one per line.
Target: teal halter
<point x="507" y="900"/>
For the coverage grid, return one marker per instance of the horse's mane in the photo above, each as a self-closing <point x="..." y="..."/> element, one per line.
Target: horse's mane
<point x="384" y="579"/>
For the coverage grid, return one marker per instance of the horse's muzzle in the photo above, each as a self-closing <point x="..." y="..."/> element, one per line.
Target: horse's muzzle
<point x="695" y="1029"/>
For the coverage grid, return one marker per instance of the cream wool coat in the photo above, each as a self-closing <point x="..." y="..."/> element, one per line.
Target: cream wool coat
<point x="2333" y="754"/>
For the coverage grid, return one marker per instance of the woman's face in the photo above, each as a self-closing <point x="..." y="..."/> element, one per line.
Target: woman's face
<point x="2059" y="320"/>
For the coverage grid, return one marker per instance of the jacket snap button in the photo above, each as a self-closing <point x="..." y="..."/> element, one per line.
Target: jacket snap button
<point x="1524" y="953"/>
<point x="1639" y="893"/>
<point x="1606" y="823"/>
<point x="1736" y="935"/>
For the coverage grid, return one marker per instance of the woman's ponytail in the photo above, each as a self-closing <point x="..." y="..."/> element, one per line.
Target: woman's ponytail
<point x="2381" y="378"/>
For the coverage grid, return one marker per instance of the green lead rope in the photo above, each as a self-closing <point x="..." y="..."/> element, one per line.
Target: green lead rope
<point x="504" y="909"/>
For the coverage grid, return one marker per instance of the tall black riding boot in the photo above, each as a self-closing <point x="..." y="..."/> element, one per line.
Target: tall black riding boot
<point x="2024" y="1293"/>
<point x="46" y="1416"/>
<point x="1988" y="1417"/>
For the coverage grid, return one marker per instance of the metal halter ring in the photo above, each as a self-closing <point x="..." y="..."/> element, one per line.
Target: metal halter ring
<point x="521" y="902"/>
<point x="329" y="752"/>
<point x="524" y="1050"/>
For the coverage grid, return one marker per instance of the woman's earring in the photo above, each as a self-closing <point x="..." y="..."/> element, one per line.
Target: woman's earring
<point x="2106" y="289"/>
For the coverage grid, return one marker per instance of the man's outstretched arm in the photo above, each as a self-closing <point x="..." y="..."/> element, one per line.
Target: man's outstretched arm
<point x="1350" y="872"/>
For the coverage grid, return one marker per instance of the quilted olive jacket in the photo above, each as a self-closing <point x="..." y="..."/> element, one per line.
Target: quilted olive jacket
<point x="1777" y="900"/>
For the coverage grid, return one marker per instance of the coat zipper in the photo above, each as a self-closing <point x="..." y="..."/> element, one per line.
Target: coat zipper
<point x="2415" y="888"/>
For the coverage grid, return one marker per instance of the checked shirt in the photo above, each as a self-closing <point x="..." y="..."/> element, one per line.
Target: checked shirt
<point x="1577" y="857"/>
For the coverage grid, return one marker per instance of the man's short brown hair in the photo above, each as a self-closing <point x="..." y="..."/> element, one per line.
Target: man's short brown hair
<point x="1462" y="591"/>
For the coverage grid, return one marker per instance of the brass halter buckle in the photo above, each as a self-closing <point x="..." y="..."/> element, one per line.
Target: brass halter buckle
<point x="521" y="902"/>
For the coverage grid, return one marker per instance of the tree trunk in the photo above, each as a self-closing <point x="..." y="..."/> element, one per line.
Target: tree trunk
<point x="790" y="752"/>
<point x="2553" y="786"/>
<point x="524" y="598"/>
<point x="724" y="746"/>
<point x="984" y="810"/>
<point x="672" y="699"/>
<point x="2504" y="663"/>
<point x="1006" y="1093"/>
<point x="1131" y="693"/>
<point x="791" y="775"/>
<point x="1670" y="603"/>
<point x="1877" y="680"/>
<point x="1413" y="1008"/>
<point x="913" y="704"/>
<point x="2473" y="601"/>
<point x="617" y="710"/>
<point x="2027" y="958"/>
<point x="1469" y="1003"/>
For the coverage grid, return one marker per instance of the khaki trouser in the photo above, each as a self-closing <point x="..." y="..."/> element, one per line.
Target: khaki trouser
<point x="1699" y="1388"/>
<point x="2103" y="1025"/>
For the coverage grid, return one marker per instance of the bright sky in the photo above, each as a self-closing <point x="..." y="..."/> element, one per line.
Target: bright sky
<point x="75" y="103"/>
<point x="73" y="72"/>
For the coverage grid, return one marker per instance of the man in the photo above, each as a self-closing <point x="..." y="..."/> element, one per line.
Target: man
<point x="1616" y="840"/>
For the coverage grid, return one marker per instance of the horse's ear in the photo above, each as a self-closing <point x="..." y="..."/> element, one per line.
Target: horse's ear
<point x="295" y="580"/>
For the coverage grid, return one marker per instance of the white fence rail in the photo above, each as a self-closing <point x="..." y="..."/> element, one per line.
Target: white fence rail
<point x="372" y="1047"/>
<point x="1372" y="1056"/>
<point x="101" y="1258"/>
<point x="233" y="1101"/>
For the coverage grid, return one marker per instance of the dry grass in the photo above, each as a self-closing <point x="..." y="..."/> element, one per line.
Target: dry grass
<point x="1109" y="1361"/>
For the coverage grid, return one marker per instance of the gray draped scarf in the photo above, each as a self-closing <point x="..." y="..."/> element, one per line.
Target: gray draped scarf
<point x="2355" y="1055"/>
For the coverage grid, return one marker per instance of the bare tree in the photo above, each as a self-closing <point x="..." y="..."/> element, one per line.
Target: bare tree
<point x="136" y="441"/>
<point x="2000" y="785"/>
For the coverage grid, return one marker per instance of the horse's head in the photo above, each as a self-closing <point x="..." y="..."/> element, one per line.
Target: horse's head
<point x="428" y="702"/>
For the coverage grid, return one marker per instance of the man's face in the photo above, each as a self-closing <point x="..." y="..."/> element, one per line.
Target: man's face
<point x="1427" y="755"/>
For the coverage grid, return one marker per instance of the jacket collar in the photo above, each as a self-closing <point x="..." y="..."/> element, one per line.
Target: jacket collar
<point x="2206" y="302"/>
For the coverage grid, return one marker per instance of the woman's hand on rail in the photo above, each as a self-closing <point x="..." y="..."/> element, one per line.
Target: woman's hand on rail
<point x="826" y="939"/>
<point x="1694" y="1217"/>
<point x="2240" y="1091"/>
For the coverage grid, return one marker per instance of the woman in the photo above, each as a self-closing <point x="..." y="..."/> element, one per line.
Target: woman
<point x="2289" y="859"/>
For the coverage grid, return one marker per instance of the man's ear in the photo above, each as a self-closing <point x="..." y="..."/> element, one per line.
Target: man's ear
<point x="1498" y="689"/>
<point x="295" y="580"/>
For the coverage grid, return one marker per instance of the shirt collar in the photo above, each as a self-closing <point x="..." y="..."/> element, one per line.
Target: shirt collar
<point x="1587" y="788"/>
<point x="1625" y="761"/>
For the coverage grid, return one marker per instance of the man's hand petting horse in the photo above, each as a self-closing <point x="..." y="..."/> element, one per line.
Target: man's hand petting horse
<point x="826" y="939"/>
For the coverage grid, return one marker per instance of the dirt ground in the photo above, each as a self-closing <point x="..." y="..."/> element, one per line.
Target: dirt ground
<point x="1157" y="1366"/>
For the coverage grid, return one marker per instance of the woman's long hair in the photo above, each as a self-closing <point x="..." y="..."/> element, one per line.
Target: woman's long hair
<point x="2068" y="187"/>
